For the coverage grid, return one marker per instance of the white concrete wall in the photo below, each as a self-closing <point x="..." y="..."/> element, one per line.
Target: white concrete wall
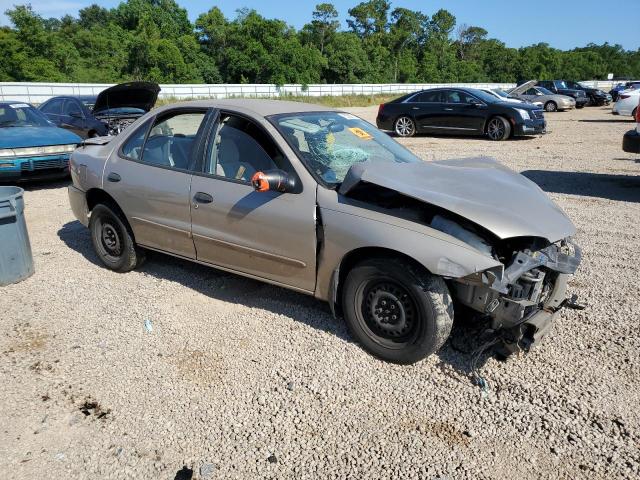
<point x="39" y="92"/>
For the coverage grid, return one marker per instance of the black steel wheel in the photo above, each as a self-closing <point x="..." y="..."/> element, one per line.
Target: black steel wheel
<point x="112" y="239"/>
<point x="396" y="310"/>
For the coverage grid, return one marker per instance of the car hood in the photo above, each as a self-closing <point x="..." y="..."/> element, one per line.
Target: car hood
<point x="520" y="89"/>
<point x="18" y="137"/>
<point x="479" y="189"/>
<point x="142" y="95"/>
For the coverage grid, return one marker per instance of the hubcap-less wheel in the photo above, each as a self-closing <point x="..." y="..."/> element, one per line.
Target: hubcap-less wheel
<point x="111" y="240"/>
<point x="389" y="311"/>
<point x="405" y="127"/>
<point x="496" y="129"/>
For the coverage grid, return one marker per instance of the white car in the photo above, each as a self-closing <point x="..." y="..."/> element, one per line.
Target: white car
<point x="504" y="96"/>
<point x="631" y="140"/>
<point x="627" y="103"/>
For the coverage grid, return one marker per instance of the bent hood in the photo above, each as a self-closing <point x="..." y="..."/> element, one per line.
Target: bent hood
<point x="142" y="95"/>
<point x="478" y="189"/>
<point x="21" y="137"/>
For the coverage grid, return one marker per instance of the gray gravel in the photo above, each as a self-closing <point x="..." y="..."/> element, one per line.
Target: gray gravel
<point x="242" y="380"/>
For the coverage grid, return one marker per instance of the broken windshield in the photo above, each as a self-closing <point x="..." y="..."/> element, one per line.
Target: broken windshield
<point x="329" y="143"/>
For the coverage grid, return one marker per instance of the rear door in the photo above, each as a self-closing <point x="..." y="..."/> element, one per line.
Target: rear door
<point x="150" y="178"/>
<point x="268" y="235"/>
<point x="428" y="110"/>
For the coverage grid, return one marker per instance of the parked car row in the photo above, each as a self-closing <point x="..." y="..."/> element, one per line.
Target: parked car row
<point x="622" y="86"/>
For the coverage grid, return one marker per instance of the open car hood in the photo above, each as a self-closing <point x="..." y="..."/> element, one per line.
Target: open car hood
<point x="520" y="89"/>
<point x="142" y="95"/>
<point x="479" y="189"/>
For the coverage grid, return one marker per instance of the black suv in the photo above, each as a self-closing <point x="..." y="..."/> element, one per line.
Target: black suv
<point x="562" y="87"/>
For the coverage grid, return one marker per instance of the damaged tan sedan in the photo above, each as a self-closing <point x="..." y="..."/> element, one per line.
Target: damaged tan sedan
<point x="321" y="202"/>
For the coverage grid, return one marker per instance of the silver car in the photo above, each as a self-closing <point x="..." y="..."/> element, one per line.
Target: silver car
<point x="321" y="202"/>
<point x="551" y="102"/>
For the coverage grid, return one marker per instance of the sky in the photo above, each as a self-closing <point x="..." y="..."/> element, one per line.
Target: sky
<point x="563" y="25"/>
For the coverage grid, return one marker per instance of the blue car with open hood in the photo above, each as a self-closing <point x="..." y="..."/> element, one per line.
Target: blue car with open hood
<point x="31" y="147"/>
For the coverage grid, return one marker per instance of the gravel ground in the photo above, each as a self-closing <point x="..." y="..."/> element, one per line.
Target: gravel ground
<point x="238" y="379"/>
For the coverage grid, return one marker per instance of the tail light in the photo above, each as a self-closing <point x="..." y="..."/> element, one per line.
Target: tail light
<point x="380" y="109"/>
<point x="624" y="96"/>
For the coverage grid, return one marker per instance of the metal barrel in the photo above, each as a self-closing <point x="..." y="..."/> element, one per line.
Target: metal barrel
<point x="16" y="261"/>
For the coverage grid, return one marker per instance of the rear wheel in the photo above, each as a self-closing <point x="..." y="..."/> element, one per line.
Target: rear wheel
<point x="405" y="127"/>
<point x="551" y="106"/>
<point x="396" y="310"/>
<point x="113" y="240"/>
<point x="498" y="129"/>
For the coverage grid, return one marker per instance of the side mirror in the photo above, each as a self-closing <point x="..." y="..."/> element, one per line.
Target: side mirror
<point x="276" y="180"/>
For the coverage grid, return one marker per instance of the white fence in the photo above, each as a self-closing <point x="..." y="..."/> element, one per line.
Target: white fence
<point x="40" y="92"/>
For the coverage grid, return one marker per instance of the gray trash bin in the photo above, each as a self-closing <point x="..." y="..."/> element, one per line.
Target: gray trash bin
<point x="16" y="262"/>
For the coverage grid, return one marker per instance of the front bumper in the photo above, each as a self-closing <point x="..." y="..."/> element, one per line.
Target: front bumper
<point x="34" y="168"/>
<point x="631" y="142"/>
<point x="581" y="101"/>
<point x="523" y="300"/>
<point x="530" y="127"/>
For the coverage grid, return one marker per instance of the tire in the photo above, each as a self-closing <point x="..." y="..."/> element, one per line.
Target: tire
<point x="551" y="106"/>
<point x="423" y="303"/>
<point x="580" y="106"/>
<point x="93" y="134"/>
<point x="498" y="129"/>
<point x="404" y="126"/>
<point x="633" y="114"/>
<point x="113" y="240"/>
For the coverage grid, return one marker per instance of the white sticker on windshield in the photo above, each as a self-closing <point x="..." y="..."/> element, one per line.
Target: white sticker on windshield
<point x="19" y="105"/>
<point x="348" y="116"/>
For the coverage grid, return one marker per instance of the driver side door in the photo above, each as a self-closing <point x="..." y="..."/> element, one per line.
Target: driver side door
<point x="266" y="235"/>
<point x="72" y="117"/>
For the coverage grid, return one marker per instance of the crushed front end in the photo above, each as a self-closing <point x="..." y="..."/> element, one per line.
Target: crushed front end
<point x="522" y="298"/>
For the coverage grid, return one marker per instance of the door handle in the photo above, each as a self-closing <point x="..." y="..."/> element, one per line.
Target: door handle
<point x="415" y="108"/>
<point x="113" y="177"/>
<point x="448" y="109"/>
<point x="201" y="197"/>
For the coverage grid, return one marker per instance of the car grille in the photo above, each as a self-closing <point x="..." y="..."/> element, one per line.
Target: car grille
<point x="537" y="114"/>
<point x="32" y="165"/>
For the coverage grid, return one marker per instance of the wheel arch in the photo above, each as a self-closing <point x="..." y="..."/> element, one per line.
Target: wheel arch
<point x="351" y="259"/>
<point x="97" y="196"/>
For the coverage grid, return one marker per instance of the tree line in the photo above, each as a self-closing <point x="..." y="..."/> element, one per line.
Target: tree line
<point x="155" y="40"/>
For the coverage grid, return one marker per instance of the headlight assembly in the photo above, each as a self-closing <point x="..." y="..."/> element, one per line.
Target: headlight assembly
<point x="523" y="114"/>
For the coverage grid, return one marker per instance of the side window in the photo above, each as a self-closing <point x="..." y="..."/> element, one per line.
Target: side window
<point x="53" y="107"/>
<point x="428" y="97"/>
<point x="531" y="91"/>
<point x="171" y="140"/>
<point x="455" y="96"/>
<point x="239" y="149"/>
<point x="72" y="108"/>
<point x="132" y="148"/>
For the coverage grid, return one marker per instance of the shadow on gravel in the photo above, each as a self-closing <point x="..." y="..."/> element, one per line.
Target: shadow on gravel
<point x="623" y="188"/>
<point x="462" y="137"/>
<point x="610" y="120"/>
<point x="220" y="285"/>
<point x="35" y="185"/>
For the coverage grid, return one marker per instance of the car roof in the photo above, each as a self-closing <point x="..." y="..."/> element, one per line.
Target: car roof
<point x="260" y="107"/>
<point x="77" y="97"/>
<point x="14" y="102"/>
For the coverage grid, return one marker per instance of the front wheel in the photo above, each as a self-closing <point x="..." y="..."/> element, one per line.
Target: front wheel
<point x="396" y="310"/>
<point x="405" y="127"/>
<point x="498" y="128"/>
<point x="113" y="241"/>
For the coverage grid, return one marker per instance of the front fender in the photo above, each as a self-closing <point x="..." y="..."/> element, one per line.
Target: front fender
<point x="347" y="231"/>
